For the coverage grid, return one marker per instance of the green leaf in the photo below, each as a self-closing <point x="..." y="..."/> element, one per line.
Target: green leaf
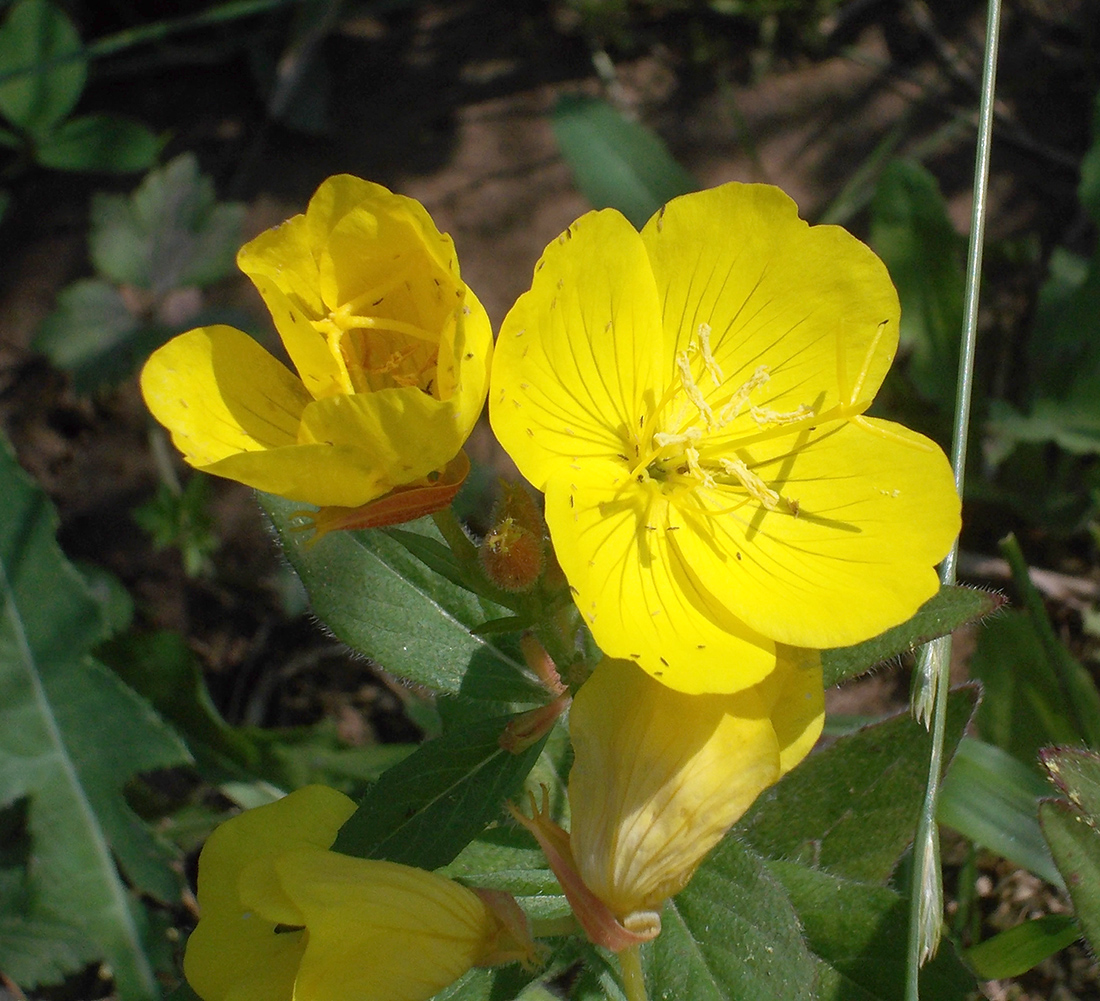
<point x="430" y="806"/>
<point x="1075" y="845"/>
<point x="1088" y="191"/>
<point x="1015" y="951"/>
<point x="993" y="799"/>
<point x="1024" y="707"/>
<point x="170" y="233"/>
<point x="1076" y="773"/>
<point x="858" y="933"/>
<point x="731" y="935"/>
<point x="1082" y="698"/>
<point x="911" y="232"/>
<point x="941" y="614"/>
<point x="617" y="163"/>
<point x="71" y="735"/>
<point x="1072" y="424"/>
<point x="98" y="143"/>
<point x="36" y="37"/>
<point x="376" y="597"/>
<point x="852" y="808"/>
<point x="93" y="335"/>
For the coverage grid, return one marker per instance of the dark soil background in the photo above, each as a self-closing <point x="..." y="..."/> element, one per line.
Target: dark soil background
<point x="449" y="102"/>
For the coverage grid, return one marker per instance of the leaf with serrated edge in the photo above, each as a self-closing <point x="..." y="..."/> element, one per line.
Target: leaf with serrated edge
<point x="941" y="614"/>
<point x="71" y="735"/>
<point x="380" y="600"/>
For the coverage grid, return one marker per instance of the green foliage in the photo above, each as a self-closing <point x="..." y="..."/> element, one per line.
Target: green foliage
<point x="182" y="520"/>
<point x="73" y="735"/>
<point x="795" y="903"/>
<point x="911" y="232"/>
<point x="1018" y="949"/>
<point x="45" y="67"/>
<point x="947" y="610"/>
<point x="617" y="163"/>
<point x="424" y="629"/>
<point x="993" y="799"/>
<point x="153" y="251"/>
<point x="1072" y="829"/>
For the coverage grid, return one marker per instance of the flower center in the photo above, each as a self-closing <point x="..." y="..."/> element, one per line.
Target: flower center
<point x="685" y="444"/>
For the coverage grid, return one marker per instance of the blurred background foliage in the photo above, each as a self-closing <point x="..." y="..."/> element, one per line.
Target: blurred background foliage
<point x="141" y="142"/>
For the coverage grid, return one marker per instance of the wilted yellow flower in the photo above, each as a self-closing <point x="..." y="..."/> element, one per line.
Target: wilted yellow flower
<point x="691" y="401"/>
<point x="392" y="352"/>
<point x="658" y="778"/>
<point x="282" y="918"/>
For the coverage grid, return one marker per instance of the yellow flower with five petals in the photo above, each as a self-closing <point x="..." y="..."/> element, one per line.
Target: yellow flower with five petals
<point x="691" y="400"/>
<point x="392" y="352"/>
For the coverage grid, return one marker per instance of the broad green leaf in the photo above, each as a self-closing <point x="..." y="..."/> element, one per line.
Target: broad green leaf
<point x="170" y="233"/>
<point x="35" y="38"/>
<point x="1075" y="845"/>
<point x="858" y="933"/>
<point x="93" y="335"/>
<point x="941" y="614"/>
<point x="505" y="858"/>
<point x="1076" y="773"/>
<point x="993" y="799"/>
<point x="71" y="736"/>
<point x="911" y="232"/>
<point x="852" y="808"/>
<point x="1073" y="424"/>
<point x="731" y="935"/>
<point x="1016" y="950"/>
<point x="617" y="163"/>
<point x="98" y="143"/>
<point x="430" y="806"/>
<point x="376" y="597"/>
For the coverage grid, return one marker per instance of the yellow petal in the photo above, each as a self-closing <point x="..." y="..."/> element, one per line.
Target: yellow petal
<point x="658" y="777"/>
<point x="406" y="433"/>
<point x="876" y="508"/>
<point x="615" y="541"/>
<point x="576" y="364"/>
<point x="465" y="360"/>
<point x="284" y="254"/>
<point x="811" y="303"/>
<point x="220" y="393"/>
<point x="794" y="694"/>
<point x="234" y="953"/>
<point x="379" y="931"/>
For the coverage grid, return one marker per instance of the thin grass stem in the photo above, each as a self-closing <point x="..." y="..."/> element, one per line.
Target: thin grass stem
<point x="931" y="681"/>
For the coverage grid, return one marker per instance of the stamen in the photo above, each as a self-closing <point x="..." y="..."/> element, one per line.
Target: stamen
<point x="696" y="470"/>
<point x="691" y="390"/>
<point x="751" y="482"/>
<point x="662" y="439"/>
<point x="765" y="415"/>
<point x="712" y="366"/>
<point x="737" y="403"/>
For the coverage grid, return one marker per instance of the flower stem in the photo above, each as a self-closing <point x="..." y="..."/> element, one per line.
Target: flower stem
<point x="455" y="536"/>
<point x="931" y="679"/>
<point x="633" y="980"/>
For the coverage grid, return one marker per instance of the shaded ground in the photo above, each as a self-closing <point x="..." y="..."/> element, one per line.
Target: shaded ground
<point x="449" y="103"/>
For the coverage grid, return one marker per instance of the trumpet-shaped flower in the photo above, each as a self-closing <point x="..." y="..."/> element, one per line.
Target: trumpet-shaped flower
<point x="691" y="400"/>
<point x="392" y="352"/>
<point x="282" y="918"/>
<point x="658" y="778"/>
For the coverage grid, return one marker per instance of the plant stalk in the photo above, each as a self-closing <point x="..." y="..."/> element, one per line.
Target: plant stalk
<point x="931" y="681"/>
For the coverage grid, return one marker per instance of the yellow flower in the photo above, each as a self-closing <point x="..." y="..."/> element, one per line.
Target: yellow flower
<point x="658" y="778"/>
<point x="392" y="350"/>
<point x="282" y="918"/>
<point x="691" y="401"/>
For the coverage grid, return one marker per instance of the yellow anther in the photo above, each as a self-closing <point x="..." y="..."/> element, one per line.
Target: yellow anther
<point x="691" y="390"/>
<point x="765" y="415"/>
<point x="737" y="403"/>
<point x="755" y="486"/>
<point x="695" y="469"/>
<point x="661" y="439"/>
<point x="712" y="366"/>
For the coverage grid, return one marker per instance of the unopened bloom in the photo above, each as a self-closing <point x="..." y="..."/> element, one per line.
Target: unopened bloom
<point x="392" y="352"/>
<point x="691" y="401"/>
<point x="658" y="778"/>
<point x="283" y="918"/>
